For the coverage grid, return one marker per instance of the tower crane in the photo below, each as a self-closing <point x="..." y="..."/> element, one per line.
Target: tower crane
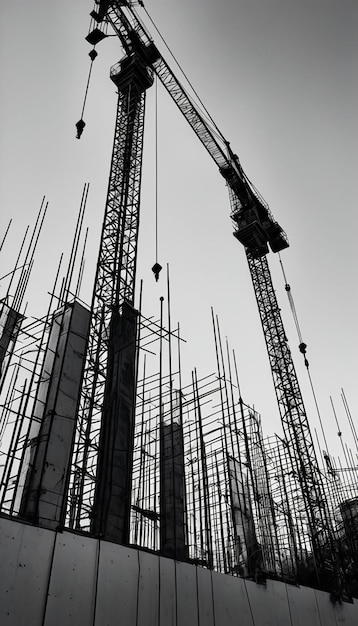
<point x="104" y="501"/>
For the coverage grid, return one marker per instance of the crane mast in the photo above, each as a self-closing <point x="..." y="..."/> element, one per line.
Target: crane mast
<point x="112" y="315"/>
<point x="113" y="298"/>
<point x="292" y="410"/>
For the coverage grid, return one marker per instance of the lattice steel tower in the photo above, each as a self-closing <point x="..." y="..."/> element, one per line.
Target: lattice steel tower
<point x="101" y="446"/>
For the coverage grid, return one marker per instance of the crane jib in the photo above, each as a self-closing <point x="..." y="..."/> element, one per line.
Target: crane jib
<point x="254" y="225"/>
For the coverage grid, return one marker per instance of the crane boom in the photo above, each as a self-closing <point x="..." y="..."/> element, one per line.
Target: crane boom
<point x="255" y="225"/>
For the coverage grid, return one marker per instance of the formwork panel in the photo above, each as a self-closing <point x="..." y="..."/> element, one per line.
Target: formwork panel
<point x="269" y="604"/>
<point x="25" y="562"/>
<point x="71" y="595"/>
<point x="187" y="605"/>
<point x="111" y="518"/>
<point x="172" y="529"/>
<point x="56" y="408"/>
<point x="205" y="597"/>
<point x="231" y="604"/>
<point x="148" y="589"/>
<point x="117" y="590"/>
<point x="303" y="606"/>
<point x="167" y="599"/>
<point x="62" y="405"/>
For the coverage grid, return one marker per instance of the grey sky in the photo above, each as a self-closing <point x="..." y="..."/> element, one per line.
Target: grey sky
<point x="279" y="78"/>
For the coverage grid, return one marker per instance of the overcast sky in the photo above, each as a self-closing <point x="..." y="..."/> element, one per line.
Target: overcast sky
<point x="279" y="78"/>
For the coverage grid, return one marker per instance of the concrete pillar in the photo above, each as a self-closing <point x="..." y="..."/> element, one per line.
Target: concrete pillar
<point x="111" y="515"/>
<point x="54" y="418"/>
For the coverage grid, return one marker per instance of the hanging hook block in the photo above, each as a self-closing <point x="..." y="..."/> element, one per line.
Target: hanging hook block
<point x="156" y="269"/>
<point x="93" y="54"/>
<point x="80" y="128"/>
<point x="303" y="347"/>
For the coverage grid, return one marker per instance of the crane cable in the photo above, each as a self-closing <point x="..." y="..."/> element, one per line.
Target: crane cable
<point x="81" y="124"/>
<point x="302" y="348"/>
<point x="156" y="170"/>
<point x="156" y="269"/>
<point x="217" y="130"/>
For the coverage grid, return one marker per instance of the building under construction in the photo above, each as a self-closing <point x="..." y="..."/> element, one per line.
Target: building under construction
<point x="132" y="491"/>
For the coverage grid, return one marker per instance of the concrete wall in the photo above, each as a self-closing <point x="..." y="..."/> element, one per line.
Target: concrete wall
<point x="63" y="579"/>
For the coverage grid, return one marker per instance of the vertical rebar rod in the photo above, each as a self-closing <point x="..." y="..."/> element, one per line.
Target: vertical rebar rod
<point x="339" y="430"/>
<point x="204" y="470"/>
<point x="248" y="461"/>
<point x="10" y="457"/>
<point x="199" y="497"/>
<point x="6" y="233"/>
<point x="30" y="255"/>
<point x="82" y="266"/>
<point x="173" y="451"/>
<point x="289" y="528"/>
<point x="221" y="515"/>
<point x="75" y="243"/>
<point x="350" y="419"/>
<point x="16" y="262"/>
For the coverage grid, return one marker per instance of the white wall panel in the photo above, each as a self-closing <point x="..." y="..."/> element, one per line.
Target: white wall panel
<point x="205" y="597"/>
<point x="148" y="589"/>
<point x="71" y="595"/>
<point x="269" y="604"/>
<point x="167" y="599"/>
<point x="231" y="605"/>
<point x="326" y="610"/>
<point x="138" y="589"/>
<point x="187" y="605"/>
<point x="117" y="589"/>
<point x="346" y="613"/>
<point x="303" y="606"/>
<point x="25" y="561"/>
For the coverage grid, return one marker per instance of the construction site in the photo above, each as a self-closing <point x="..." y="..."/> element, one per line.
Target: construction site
<point x="136" y="491"/>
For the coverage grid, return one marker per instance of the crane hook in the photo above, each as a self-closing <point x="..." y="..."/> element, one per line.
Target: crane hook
<point x="80" y="128"/>
<point x="81" y="124"/>
<point x="156" y="269"/>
